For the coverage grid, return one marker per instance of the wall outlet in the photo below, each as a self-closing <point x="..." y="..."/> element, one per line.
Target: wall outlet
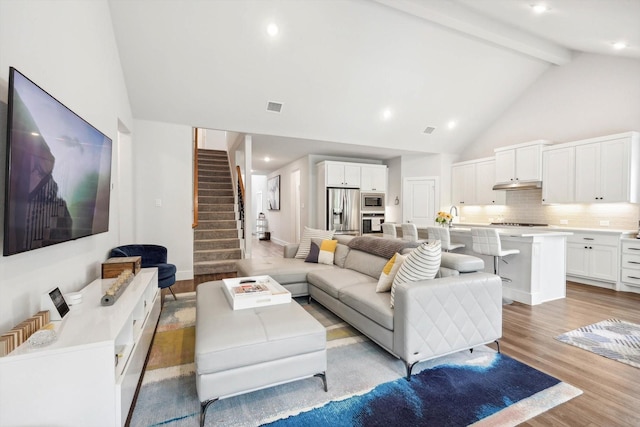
<point x="564" y="221"/>
<point x="604" y="222"/>
<point x="158" y="202"/>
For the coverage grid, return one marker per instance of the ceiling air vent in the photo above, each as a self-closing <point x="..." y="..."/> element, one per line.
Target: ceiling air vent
<point x="429" y="130"/>
<point x="274" y="107"/>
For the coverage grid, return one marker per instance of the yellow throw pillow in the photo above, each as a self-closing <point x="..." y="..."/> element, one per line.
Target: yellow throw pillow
<point x="322" y="253"/>
<point x="389" y="272"/>
<point x="327" y="251"/>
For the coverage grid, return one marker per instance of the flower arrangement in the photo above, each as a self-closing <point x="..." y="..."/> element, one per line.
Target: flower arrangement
<point x="443" y="218"/>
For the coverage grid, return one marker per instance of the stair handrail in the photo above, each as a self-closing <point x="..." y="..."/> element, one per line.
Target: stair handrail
<point x="194" y="224"/>
<point x="240" y="183"/>
<point x="240" y="198"/>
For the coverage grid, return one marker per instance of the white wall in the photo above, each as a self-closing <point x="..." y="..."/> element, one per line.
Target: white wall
<point x="282" y="222"/>
<point x="591" y="96"/>
<point x="163" y="175"/>
<point x="259" y="186"/>
<point x="125" y="207"/>
<point x="214" y="140"/>
<point x="393" y="212"/>
<point x="419" y="166"/>
<point x="68" y="48"/>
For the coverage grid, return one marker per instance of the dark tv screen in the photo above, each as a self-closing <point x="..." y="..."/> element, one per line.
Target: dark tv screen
<point x="58" y="171"/>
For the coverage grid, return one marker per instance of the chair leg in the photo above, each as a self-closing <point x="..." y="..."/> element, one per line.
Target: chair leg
<point x="174" y="295"/>
<point x="496" y="269"/>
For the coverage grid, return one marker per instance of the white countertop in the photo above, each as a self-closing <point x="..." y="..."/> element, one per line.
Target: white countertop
<point x="462" y="225"/>
<point x="518" y="231"/>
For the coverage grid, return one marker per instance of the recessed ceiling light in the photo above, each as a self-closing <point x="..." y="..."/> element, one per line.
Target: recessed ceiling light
<point x="452" y="124"/>
<point x="35" y="134"/>
<point x="386" y="114"/>
<point x="267" y="159"/>
<point x="272" y="29"/>
<point x="619" y="45"/>
<point x="539" y="8"/>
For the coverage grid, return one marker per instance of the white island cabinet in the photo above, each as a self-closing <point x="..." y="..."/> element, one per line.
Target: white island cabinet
<point x="88" y="376"/>
<point x="537" y="273"/>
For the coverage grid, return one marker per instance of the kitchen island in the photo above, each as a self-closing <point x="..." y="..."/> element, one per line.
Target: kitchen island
<point x="537" y="273"/>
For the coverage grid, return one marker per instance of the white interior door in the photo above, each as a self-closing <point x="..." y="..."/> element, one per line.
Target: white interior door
<point x="421" y="198"/>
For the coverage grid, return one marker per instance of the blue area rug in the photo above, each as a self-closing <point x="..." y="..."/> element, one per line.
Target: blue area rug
<point x="366" y="386"/>
<point x="446" y="395"/>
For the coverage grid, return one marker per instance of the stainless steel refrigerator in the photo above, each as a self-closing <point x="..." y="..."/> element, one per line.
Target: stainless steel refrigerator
<point x="343" y="210"/>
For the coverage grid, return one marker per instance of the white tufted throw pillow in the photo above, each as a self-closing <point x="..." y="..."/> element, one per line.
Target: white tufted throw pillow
<point x="305" y="241"/>
<point x="422" y="263"/>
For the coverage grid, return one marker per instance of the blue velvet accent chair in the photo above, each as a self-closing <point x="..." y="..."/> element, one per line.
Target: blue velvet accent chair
<point x="152" y="256"/>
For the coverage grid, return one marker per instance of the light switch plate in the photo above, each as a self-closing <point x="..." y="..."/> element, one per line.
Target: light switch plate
<point x="564" y="221"/>
<point x="604" y="222"/>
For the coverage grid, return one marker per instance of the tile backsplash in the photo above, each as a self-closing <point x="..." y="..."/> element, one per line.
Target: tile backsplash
<point x="526" y="206"/>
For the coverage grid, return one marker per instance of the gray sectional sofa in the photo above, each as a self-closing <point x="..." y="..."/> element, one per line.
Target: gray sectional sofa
<point x="460" y="309"/>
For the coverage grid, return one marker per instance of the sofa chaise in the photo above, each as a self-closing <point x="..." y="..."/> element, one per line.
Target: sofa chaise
<point x="459" y="309"/>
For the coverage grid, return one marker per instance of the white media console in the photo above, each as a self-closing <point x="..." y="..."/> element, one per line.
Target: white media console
<point x="89" y="375"/>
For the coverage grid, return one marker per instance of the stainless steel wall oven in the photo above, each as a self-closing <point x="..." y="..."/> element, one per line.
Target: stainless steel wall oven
<point x="372" y="223"/>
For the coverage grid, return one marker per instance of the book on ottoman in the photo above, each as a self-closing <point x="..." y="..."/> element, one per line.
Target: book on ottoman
<point x="255" y="291"/>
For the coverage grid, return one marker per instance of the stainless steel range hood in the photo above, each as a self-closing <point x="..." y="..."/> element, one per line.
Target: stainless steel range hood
<point x="519" y="185"/>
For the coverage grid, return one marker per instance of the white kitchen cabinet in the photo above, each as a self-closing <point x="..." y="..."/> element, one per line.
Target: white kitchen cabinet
<point x="594" y="257"/>
<point x="597" y="170"/>
<point x="485" y="195"/>
<point x="89" y="374"/>
<point x="604" y="172"/>
<point x="472" y="183"/>
<point x="558" y="175"/>
<point x="373" y="178"/>
<point x="630" y="265"/>
<point x="463" y="186"/>
<point x="339" y="174"/>
<point x="519" y="163"/>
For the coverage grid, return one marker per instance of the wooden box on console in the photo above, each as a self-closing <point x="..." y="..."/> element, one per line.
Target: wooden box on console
<point x="112" y="267"/>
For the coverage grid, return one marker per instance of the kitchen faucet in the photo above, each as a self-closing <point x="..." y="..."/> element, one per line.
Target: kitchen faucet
<point x="453" y="207"/>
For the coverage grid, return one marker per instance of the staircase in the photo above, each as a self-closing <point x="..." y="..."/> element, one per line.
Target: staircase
<point x="216" y="243"/>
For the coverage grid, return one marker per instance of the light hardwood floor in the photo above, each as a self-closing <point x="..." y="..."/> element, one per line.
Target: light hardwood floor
<point x="611" y="390"/>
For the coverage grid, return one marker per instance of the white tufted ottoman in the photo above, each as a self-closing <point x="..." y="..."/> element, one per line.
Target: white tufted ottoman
<point x="238" y="351"/>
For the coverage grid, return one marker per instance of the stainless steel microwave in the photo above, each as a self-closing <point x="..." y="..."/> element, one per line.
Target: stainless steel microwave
<point x="372" y="202"/>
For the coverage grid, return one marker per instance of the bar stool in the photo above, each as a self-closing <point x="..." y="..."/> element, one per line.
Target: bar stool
<point x="389" y="230"/>
<point x="442" y="234"/>
<point x="486" y="241"/>
<point x="410" y="233"/>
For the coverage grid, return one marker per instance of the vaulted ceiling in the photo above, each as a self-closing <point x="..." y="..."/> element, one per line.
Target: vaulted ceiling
<point x="369" y="76"/>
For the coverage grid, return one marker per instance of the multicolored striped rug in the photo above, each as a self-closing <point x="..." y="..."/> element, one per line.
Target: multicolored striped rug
<point x="357" y="370"/>
<point x="614" y="339"/>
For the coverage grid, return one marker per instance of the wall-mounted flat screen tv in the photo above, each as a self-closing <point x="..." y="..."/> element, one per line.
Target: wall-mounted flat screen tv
<point x="58" y="171"/>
